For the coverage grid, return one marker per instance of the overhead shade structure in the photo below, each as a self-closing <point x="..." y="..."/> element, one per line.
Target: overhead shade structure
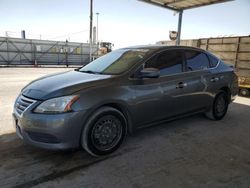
<point x="181" y="5"/>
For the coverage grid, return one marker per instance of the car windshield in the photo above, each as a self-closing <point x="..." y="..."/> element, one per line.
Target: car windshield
<point x="115" y="62"/>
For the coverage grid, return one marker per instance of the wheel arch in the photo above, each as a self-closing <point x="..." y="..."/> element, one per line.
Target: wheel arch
<point x="124" y="110"/>
<point x="96" y="112"/>
<point x="116" y="105"/>
<point x="227" y="90"/>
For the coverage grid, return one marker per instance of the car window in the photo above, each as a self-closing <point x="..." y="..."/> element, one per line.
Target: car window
<point x="196" y="60"/>
<point x="168" y="63"/>
<point x="213" y="60"/>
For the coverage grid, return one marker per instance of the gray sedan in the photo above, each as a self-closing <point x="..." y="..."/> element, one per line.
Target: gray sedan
<point x="94" y="107"/>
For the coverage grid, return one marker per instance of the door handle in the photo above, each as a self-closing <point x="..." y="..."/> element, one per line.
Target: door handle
<point x="214" y="79"/>
<point x="181" y="85"/>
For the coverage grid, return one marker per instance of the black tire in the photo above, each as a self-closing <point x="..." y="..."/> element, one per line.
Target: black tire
<point x="219" y="107"/>
<point x="107" y="125"/>
<point x="244" y="92"/>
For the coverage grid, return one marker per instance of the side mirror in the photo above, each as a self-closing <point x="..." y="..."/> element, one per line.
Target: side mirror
<point x="149" y="73"/>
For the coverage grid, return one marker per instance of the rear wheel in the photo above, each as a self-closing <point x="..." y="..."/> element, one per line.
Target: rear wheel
<point x="104" y="131"/>
<point x="219" y="107"/>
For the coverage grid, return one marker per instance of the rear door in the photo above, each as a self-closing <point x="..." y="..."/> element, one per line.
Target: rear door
<point x="197" y="76"/>
<point x="184" y="78"/>
<point x="183" y="90"/>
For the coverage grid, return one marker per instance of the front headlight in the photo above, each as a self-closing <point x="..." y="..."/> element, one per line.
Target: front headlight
<point x="57" y="105"/>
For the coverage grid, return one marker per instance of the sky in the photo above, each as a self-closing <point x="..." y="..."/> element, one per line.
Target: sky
<point x="122" y="22"/>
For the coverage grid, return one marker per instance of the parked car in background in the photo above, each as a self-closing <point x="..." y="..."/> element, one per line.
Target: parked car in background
<point x="96" y="106"/>
<point x="244" y="83"/>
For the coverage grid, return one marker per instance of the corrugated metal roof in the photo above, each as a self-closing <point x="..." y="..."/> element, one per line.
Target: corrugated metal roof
<point x="183" y="4"/>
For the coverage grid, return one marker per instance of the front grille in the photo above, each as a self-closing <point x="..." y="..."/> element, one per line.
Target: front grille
<point x="22" y="103"/>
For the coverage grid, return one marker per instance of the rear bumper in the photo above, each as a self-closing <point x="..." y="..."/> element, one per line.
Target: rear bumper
<point x="60" y="131"/>
<point x="233" y="97"/>
<point x="234" y="88"/>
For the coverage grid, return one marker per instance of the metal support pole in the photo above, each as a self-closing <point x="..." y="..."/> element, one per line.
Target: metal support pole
<point x="97" y="40"/>
<point x="97" y="27"/>
<point x="90" y="30"/>
<point x="66" y="54"/>
<point x="179" y="28"/>
<point x="237" y="52"/>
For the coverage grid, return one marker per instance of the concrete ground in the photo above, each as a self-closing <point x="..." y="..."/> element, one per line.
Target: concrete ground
<point x="193" y="152"/>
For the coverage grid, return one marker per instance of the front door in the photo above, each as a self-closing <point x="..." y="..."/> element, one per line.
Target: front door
<point x="148" y="101"/>
<point x="156" y="97"/>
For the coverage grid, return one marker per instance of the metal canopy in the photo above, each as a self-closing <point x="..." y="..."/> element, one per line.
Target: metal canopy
<point x="180" y="5"/>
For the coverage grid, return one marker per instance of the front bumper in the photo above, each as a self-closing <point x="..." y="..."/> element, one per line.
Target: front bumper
<point x="57" y="131"/>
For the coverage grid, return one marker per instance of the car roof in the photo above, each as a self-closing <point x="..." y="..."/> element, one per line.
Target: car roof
<point x="163" y="47"/>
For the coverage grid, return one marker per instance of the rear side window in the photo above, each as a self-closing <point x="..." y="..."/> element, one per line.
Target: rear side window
<point x="196" y="60"/>
<point x="169" y="62"/>
<point x="213" y="60"/>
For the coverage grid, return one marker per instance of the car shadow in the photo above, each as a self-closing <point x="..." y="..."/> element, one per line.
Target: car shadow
<point x="22" y="165"/>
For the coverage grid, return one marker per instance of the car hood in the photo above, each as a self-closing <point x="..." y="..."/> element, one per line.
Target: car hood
<point x="61" y="84"/>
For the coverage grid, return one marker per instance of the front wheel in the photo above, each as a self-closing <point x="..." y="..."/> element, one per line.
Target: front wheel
<point x="219" y="107"/>
<point x="104" y="131"/>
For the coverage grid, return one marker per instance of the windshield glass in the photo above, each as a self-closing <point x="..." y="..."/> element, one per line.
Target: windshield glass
<point x="115" y="62"/>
